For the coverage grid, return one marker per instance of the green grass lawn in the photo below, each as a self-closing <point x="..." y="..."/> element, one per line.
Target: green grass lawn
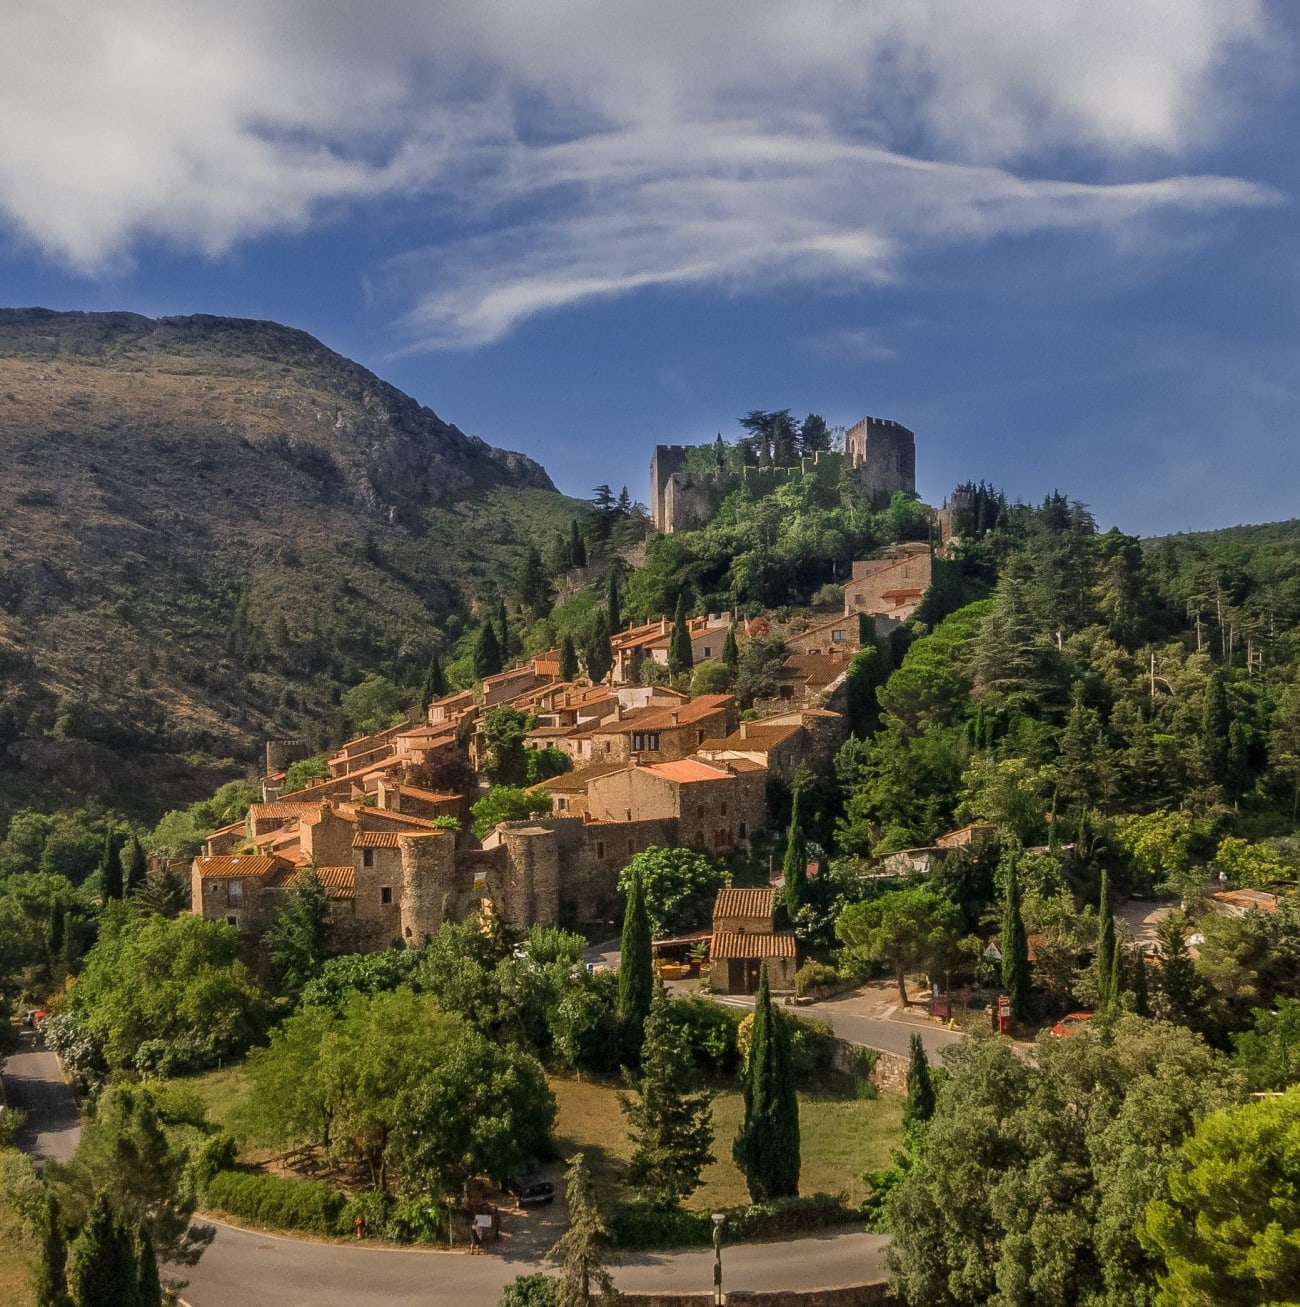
<point x="839" y="1139"/>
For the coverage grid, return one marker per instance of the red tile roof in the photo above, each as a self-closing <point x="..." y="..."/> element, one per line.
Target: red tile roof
<point x="732" y="944"/>
<point x="760" y="902"/>
<point x="688" y="771"/>
<point x="228" y="868"/>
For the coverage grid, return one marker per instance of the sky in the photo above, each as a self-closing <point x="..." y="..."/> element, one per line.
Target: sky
<point x="1058" y="241"/>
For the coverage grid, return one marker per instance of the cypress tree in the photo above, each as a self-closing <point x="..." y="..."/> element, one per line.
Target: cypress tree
<point x="670" y="1122"/>
<point x="1015" y="950"/>
<point x="110" y="869"/>
<point x="600" y="657"/>
<point x="577" y="546"/>
<point x="612" y="608"/>
<point x="920" y="1086"/>
<point x="1115" y="986"/>
<point x="731" y="652"/>
<point x="680" y="658"/>
<point x="503" y="629"/>
<point x="103" y="1263"/>
<point x="58" y="924"/>
<point x="1141" y="997"/>
<point x="568" y="659"/>
<point x="767" y="1147"/>
<point x="795" y="865"/>
<point x="1105" y="950"/>
<point x="135" y="865"/>
<point x="50" y="1281"/>
<point x="487" y="652"/>
<point x="635" y="974"/>
<point x="148" y="1287"/>
<point x="580" y="1250"/>
<point x="1216" y="720"/>
<point x="434" y="685"/>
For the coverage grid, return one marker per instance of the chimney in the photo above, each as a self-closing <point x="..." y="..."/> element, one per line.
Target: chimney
<point x="673" y="717"/>
<point x="663" y="626"/>
<point x="744" y="730"/>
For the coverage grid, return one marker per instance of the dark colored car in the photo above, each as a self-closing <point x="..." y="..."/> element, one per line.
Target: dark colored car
<point x="531" y="1189"/>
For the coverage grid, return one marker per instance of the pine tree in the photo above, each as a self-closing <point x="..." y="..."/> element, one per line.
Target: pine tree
<point x="103" y="1270"/>
<point x="612" y="609"/>
<point x="298" y="936"/>
<point x="731" y="652"/>
<point x="50" y="1279"/>
<point x="920" y="1086"/>
<point x="795" y="866"/>
<point x="580" y="1250"/>
<point x="135" y="866"/>
<point x="434" y="685"/>
<point x="680" y="657"/>
<point x="148" y="1287"/>
<point x="624" y="505"/>
<point x="670" y="1122"/>
<point x="568" y="659"/>
<point x="767" y="1147"/>
<point x="487" y="652"/>
<point x="110" y="869"/>
<point x="1180" y="986"/>
<point x="635" y="974"/>
<point x="600" y="657"/>
<point x="1015" y="950"/>
<point x="1105" y="951"/>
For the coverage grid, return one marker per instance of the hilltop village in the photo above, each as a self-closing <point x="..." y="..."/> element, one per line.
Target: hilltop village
<point x="645" y="765"/>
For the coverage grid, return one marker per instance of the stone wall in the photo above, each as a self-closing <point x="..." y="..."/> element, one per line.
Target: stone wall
<point x="855" y="1295"/>
<point x="882" y="454"/>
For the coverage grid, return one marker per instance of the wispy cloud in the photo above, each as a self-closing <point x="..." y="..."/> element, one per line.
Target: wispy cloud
<point x="581" y="148"/>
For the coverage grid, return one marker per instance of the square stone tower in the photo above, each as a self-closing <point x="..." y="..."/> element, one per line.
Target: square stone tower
<point x="883" y="455"/>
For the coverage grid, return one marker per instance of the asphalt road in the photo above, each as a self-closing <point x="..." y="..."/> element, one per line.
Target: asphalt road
<point x="245" y="1269"/>
<point x="34" y="1082"/>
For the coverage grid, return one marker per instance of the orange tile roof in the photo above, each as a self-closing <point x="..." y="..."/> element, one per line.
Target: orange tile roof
<point x="337" y="882"/>
<point x="760" y="902"/>
<point x="228" y="868"/>
<point x="661" y="719"/>
<point x="576" y="781"/>
<point x="757" y="737"/>
<point x="688" y="771"/>
<point x="431" y="795"/>
<point x="281" y="809"/>
<point x="732" y="944"/>
<point x="375" y="839"/>
<point x="387" y="814"/>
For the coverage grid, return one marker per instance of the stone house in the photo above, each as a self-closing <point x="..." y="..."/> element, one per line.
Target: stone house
<point x="654" y="734"/>
<point x="891" y="584"/>
<point x="831" y="635"/>
<point x="745" y="937"/>
<point x="781" y="742"/>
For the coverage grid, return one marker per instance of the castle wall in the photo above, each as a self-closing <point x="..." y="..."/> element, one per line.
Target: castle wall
<point x="428" y="878"/>
<point x="664" y="462"/>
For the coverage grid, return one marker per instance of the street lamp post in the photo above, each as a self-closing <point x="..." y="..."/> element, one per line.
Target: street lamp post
<point x="718" y="1219"/>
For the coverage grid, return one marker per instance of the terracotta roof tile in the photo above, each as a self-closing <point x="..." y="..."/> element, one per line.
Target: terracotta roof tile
<point x="731" y="944"/>
<point x="687" y="771"/>
<point x="759" y="902"/>
<point x="337" y="882"/>
<point x="229" y="868"/>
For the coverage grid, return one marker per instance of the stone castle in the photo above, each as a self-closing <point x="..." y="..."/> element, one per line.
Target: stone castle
<point x="880" y="452"/>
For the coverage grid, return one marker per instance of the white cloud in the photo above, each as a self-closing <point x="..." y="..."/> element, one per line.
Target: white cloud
<point x="580" y="148"/>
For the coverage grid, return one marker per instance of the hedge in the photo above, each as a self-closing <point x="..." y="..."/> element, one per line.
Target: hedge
<point x="271" y="1200"/>
<point x="637" y="1225"/>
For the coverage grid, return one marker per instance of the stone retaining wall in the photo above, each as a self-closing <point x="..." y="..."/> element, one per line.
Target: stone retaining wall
<point x="854" y="1295"/>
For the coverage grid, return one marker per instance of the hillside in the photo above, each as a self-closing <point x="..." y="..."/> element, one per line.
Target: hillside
<point x="208" y="527"/>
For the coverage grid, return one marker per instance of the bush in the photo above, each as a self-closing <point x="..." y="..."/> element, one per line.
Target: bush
<point x="530" y="1291"/>
<point x="282" y="1204"/>
<point x="215" y="1155"/>
<point x="788" y="1216"/>
<point x="814" y="976"/>
<point x="12" y="1120"/>
<point x="638" y="1225"/>
<point x="710" y="1032"/>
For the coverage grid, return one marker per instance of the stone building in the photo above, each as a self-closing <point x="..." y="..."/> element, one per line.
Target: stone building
<point x="744" y="937"/>
<point x="890" y="584"/>
<point x="882" y="454"/>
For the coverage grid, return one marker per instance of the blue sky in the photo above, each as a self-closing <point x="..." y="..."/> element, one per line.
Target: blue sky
<point x="1057" y="240"/>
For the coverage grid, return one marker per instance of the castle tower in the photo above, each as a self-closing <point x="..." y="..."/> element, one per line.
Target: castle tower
<point x="883" y="454"/>
<point x="532" y="891"/>
<point x="428" y="878"/>
<point x="664" y="463"/>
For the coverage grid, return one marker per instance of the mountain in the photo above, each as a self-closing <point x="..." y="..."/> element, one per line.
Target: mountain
<point x="209" y="527"/>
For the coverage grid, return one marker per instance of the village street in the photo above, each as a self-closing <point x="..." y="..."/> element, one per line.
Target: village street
<point x="34" y="1083"/>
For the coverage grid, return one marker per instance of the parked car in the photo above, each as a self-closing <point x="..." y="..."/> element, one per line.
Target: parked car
<point x="531" y="1189"/>
<point x="1069" y="1023"/>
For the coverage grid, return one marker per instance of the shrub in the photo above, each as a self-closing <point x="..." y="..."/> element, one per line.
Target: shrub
<point x="215" y="1155"/>
<point x="710" y="1032"/>
<point x="282" y="1204"/>
<point x="530" y="1291"/>
<point x="12" y="1120"/>
<point x="788" y="1216"/>
<point x="813" y="976"/>
<point x="637" y="1225"/>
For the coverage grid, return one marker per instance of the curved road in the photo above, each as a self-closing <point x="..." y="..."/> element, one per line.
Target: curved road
<point x="242" y="1268"/>
<point x="33" y="1081"/>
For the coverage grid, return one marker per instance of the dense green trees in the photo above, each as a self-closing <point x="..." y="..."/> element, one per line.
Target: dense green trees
<point x="507" y="803"/>
<point x="635" y="972"/>
<point x="767" y="1147"/>
<point x="908" y="929"/>
<point x="413" y="1093"/>
<point x="298" y="936"/>
<point x="1015" y="948"/>
<point x="1229" y="1229"/>
<point x="180" y="981"/>
<point x="1032" y="1182"/>
<point x="504" y="729"/>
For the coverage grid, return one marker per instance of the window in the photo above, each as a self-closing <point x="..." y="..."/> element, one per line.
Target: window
<point x="723" y="810"/>
<point x="838" y="637"/>
<point x="708" y="652"/>
<point x="561" y="805"/>
<point x="232" y="921"/>
<point x="236" y="893"/>
<point x="652" y="741"/>
<point x="600" y="848"/>
<point x="385" y="894"/>
<point x="740" y="830"/>
<point x="367" y="857"/>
